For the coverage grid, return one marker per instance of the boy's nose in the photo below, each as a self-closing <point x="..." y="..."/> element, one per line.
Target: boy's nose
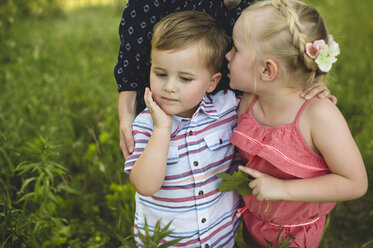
<point x="169" y="86"/>
<point x="228" y="55"/>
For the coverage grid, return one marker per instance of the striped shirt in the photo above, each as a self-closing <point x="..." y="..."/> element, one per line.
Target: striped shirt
<point x="189" y="196"/>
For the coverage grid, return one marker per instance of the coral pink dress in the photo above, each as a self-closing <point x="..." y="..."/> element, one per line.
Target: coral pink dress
<point x="281" y="152"/>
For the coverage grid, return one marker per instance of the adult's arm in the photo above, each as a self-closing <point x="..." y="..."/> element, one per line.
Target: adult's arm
<point x="132" y="68"/>
<point x="127" y="113"/>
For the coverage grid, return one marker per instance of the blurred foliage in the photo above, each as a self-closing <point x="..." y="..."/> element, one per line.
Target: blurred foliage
<point x="10" y="9"/>
<point x="61" y="180"/>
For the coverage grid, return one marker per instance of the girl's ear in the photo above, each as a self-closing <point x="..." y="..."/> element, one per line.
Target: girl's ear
<point x="214" y="82"/>
<point x="269" y="71"/>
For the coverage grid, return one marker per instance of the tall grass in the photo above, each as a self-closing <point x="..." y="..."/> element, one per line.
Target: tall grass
<point x="61" y="179"/>
<point x="58" y="91"/>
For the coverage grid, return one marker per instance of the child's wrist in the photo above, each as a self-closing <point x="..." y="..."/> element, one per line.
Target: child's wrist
<point x="162" y="129"/>
<point x="286" y="191"/>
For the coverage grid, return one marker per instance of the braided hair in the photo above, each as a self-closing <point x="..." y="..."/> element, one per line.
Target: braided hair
<point x="285" y="34"/>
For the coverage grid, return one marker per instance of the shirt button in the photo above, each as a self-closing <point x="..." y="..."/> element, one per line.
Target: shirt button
<point x="190" y="133"/>
<point x="200" y="192"/>
<point x="220" y="141"/>
<point x="195" y="163"/>
<point x="207" y="246"/>
<point x="203" y="220"/>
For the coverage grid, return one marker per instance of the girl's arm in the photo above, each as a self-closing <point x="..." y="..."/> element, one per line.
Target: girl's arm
<point x="332" y="138"/>
<point x="147" y="174"/>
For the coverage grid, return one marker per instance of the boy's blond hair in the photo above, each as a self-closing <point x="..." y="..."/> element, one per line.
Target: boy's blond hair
<point x="182" y="29"/>
<point x="292" y="24"/>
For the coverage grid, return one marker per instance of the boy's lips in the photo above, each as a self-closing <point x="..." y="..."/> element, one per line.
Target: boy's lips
<point x="168" y="99"/>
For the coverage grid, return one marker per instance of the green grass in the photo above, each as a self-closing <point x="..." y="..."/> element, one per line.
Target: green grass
<point x="58" y="106"/>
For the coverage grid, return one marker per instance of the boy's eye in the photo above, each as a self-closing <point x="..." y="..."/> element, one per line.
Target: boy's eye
<point x="161" y="75"/>
<point x="186" y="79"/>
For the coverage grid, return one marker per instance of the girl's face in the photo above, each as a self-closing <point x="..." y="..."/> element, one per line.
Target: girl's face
<point x="241" y="60"/>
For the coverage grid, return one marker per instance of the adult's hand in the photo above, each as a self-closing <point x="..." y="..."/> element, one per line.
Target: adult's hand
<point x="127" y="113"/>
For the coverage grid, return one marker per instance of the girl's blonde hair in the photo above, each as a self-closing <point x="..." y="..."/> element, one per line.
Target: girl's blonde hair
<point x="182" y="29"/>
<point x="284" y="35"/>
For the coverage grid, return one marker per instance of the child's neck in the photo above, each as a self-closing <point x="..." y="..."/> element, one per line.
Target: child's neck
<point x="278" y="108"/>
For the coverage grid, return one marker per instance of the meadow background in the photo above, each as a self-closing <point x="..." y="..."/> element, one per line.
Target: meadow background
<point x="61" y="169"/>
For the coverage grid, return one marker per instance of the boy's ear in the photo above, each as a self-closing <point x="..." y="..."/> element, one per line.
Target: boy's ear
<point x="214" y="82"/>
<point x="269" y="70"/>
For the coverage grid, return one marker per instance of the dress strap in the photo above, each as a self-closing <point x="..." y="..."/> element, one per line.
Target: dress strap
<point x="300" y="111"/>
<point x="253" y="101"/>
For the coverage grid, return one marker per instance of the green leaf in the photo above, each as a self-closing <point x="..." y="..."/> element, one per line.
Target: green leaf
<point x="68" y="189"/>
<point x="159" y="233"/>
<point x="269" y="245"/>
<point x="50" y="175"/>
<point x="26" y="197"/>
<point x="244" y="190"/>
<point x="157" y="226"/>
<point x="141" y="236"/>
<point x="25" y="183"/>
<point x="23" y="168"/>
<point x="279" y="235"/>
<point x="237" y="181"/>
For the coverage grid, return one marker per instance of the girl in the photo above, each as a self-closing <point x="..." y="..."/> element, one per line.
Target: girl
<point x="301" y="153"/>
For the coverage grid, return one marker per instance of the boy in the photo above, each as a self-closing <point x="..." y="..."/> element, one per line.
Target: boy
<point x="182" y="138"/>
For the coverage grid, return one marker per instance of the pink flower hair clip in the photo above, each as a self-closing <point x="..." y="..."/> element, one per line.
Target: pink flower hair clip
<point x="323" y="54"/>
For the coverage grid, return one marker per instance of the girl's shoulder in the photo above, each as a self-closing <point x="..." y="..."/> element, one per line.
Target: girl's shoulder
<point x="320" y="108"/>
<point x="321" y="113"/>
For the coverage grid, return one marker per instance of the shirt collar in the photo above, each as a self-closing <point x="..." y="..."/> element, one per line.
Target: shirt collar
<point x="208" y="107"/>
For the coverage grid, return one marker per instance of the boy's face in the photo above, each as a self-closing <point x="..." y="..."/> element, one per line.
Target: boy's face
<point x="179" y="79"/>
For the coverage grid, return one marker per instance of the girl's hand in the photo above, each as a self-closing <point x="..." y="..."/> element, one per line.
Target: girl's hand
<point x="160" y="118"/>
<point x="264" y="187"/>
<point x="320" y="90"/>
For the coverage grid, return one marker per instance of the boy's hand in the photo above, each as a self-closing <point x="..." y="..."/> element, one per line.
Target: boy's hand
<point x="160" y="118"/>
<point x="264" y="187"/>
<point x="320" y="90"/>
